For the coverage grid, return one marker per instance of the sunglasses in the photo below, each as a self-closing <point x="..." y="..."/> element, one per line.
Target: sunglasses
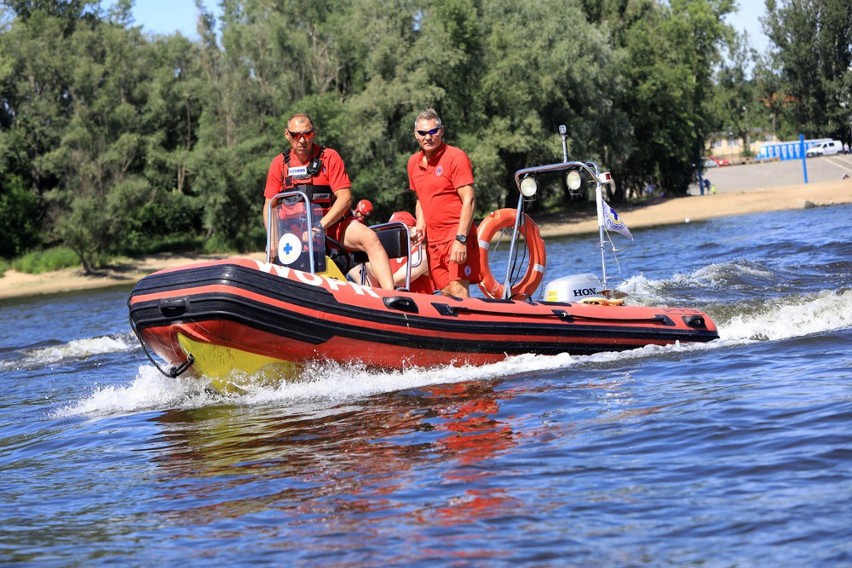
<point x="432" y="132"/>
<point x="307" y="134"/>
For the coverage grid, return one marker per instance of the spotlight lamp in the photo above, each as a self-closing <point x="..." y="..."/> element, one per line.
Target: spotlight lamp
<point x="573" y="180"/>
<point x="529" y="186"/>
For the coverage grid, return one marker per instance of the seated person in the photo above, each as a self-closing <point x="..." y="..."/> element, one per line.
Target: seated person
<point x="421" y="282"/>
<point x="320" y="173"/>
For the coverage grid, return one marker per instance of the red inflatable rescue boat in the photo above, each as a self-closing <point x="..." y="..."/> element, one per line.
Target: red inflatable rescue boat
<point x="240" y="320"/>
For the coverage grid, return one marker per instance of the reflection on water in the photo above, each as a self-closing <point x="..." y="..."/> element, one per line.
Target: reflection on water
<point x="339" y="460"/>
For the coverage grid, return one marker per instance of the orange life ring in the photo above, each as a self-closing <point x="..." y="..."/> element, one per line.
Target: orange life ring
<point x="504" y="219"/>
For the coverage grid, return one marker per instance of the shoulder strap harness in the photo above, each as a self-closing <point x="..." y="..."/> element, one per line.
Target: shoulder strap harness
<point x="322" y="195"/>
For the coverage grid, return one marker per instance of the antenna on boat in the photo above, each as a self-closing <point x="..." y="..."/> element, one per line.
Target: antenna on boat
<point x="563" y="132"/>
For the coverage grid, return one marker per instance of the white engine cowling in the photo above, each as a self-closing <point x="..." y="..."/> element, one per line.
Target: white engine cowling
<point x="574" y="288"/>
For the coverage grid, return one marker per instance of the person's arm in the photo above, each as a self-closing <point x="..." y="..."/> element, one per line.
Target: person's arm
<point x="458" y="252"/>
<point x="468" y="202"/>
<point x="266" y="203"/>
<point x="341" y="206"/>
<point x="274" y="181"/>
<point x="341" y="187"/>
<point x="418" y="233"/>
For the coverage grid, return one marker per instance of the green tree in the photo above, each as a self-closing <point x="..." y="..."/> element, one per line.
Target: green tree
<point x="374" y="95"/>
<point x="769" y="93"/>
<point x="668" y="66"/>
<point x="813" y="55"/>
<point x="86" y="133"/>
<point x="240" y="103"/>
<point x="102" y="151"/>
<point x="34" y="78"/>
<point x="171" y="112"/>
<point x="563" y="77"/>
<point x="736" y="106"/>
<point x="19" y="217"/>
<point x="114" y="140"/>
<point x="34" y="110"/>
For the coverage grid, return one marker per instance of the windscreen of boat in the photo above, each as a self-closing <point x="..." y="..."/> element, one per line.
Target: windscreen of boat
<point x="289" y="241"/>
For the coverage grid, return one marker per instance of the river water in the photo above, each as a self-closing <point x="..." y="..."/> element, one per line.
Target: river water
<point x="732" y="453"/>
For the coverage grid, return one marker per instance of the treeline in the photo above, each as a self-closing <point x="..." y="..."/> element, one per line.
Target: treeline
<point x="118" y="142"/>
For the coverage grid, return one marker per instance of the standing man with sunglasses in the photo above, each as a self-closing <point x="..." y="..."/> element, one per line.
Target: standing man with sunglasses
<point x="442" y="177"/>
<point x="320" y="173"/>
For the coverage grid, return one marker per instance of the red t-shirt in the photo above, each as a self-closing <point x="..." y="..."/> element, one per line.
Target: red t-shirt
<point x="436" y="185"/>
<point x="332" y="173"/>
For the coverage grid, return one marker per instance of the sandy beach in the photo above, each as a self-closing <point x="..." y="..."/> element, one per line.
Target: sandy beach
<point x="728" y="201"/>
<point x="723" y="204"/>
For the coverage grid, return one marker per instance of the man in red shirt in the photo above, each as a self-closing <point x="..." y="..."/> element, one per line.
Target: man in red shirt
<point x="321" y="174"/>
<point x="442" y="177"/>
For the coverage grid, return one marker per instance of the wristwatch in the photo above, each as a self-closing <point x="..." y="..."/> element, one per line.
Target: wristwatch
<point x="462" y="239"/>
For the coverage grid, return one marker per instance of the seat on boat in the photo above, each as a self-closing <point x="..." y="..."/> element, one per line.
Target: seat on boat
<point x="395" y="239"/>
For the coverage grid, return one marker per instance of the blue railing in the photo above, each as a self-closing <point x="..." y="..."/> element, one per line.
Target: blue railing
<point x="790" y="150"/>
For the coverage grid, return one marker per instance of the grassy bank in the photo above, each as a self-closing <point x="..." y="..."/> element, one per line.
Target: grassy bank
<point x="39" y="262"/>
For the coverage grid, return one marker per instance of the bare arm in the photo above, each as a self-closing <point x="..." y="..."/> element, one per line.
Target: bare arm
<point x="418" y="234"/>
<point x="340" y="207"/>
<point x="458" y="253"/>
<point x="468" y="202"/>
<point x="266" y="203"/>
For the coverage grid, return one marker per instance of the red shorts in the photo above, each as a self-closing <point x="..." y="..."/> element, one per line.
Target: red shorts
<point x="444" y="271"/>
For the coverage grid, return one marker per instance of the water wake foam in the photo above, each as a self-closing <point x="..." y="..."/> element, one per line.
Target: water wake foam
<point x="73" y="350"/>
<point x="323" y="384"/>
<point x="743" y="315"/>
<point x="739" y="276"/>
<point x="326" y="385"/>
<point x="791" y="317"/>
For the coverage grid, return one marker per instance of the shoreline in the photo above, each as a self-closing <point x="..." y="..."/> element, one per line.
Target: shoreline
<point x="693" y="208"/>
<point x="672" y="211"/>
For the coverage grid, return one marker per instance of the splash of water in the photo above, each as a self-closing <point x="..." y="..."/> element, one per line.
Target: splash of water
<point x="77" y="349"/>
<point x="327" y="385"/>
<point x="792" y="317"/>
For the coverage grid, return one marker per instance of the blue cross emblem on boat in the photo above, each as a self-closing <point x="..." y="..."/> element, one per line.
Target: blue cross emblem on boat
<point x="289" y="248"/>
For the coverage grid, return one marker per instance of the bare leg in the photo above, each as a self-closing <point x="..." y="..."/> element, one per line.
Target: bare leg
<point x="361" y="237"/>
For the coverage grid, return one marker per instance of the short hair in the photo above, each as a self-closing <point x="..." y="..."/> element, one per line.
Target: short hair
<point x="429" y="114"/>
<point x="302" y="115"/>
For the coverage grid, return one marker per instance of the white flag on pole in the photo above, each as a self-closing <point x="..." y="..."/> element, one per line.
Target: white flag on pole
<point x="612" y="222"/>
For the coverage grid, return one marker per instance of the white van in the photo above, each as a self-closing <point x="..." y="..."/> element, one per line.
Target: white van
<point x="825" y="149"/>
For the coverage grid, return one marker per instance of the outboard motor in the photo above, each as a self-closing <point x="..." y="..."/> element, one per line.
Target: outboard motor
<point x="574" y="288"/>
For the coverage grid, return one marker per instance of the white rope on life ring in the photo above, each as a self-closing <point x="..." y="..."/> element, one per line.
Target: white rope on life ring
<point x="504" y="219"/>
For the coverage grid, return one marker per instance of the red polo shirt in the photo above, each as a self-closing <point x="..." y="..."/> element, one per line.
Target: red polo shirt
<point x="436" y="185"/>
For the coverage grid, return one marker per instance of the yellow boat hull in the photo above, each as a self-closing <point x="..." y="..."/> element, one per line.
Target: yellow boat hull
<point x="218" y="364"/>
